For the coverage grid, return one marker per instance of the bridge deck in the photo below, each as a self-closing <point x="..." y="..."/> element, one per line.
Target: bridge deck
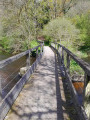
<point x="40" y="98"/>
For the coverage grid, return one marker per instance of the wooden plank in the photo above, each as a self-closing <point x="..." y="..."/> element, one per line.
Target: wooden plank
<point x="7" y="102"/>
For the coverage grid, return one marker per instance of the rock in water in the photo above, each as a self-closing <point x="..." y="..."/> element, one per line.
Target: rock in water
<point x="23" y="70"/>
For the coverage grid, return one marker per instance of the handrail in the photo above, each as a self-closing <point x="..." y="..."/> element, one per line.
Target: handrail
<point x="9" y="60"/>
<point x="85" y="66"/>
<point x="8" y="100"/>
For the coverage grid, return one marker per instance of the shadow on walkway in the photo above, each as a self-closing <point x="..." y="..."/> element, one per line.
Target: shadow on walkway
<point x="64" y="96"/>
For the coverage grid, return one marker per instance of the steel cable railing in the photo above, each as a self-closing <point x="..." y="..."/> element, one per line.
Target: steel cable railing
<point x="8" y="61"/>
<point x="13" y="78"/>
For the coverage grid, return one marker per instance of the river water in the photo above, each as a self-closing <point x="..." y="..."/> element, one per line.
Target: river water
<point x="9" y="74"/>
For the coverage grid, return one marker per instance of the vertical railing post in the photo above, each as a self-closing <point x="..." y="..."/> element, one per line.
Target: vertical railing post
<point x="28" y="61"/>
<point x="62" y="55"/>
<point x="37" y="53"/>
<point x="55" y="45"/>
<point x="68" y="64"/>
<point x="60" y="50"/>
<point x="58" y="47"/>
<point x="0" y="89"/>
<point x="86" y="80"/>
<point x="41" y="49"/>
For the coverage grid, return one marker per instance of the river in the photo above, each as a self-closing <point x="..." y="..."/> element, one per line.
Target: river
<point x="9" y="74"/>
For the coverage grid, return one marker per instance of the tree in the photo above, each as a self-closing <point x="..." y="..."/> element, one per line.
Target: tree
<point x="82" y="7"/>
<point x="22" y="21"/>
<point x="61" y="29"/>
<point x="83" y="23"/>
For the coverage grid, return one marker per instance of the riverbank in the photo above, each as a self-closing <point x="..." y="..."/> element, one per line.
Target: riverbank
<point x="17" y="48"/>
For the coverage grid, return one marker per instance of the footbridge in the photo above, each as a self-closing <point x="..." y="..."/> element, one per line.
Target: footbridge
<point x="46" y="90"/>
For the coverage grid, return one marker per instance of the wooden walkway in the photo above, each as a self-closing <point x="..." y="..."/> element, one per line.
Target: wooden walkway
<point x="40" y="99"/>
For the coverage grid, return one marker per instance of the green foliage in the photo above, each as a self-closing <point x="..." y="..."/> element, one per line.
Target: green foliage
<point x="83" y="23"/>
<point x="81" y="7"/>
<point x="33" y="44"/>
<point x="23" y="21"/>
<point x="61" y="29"/>
<point x="74" y="67"/>
<point x="47" y="41"/>
<point x="5" y="44"/>
<point x="22" y="24"/>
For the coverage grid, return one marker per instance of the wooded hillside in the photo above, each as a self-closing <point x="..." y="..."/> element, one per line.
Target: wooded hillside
<point x="22" y="21"/>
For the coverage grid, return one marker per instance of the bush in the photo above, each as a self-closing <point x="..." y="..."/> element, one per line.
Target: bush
<point x="61" y="29"/>
<point x="83" y="23"/>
